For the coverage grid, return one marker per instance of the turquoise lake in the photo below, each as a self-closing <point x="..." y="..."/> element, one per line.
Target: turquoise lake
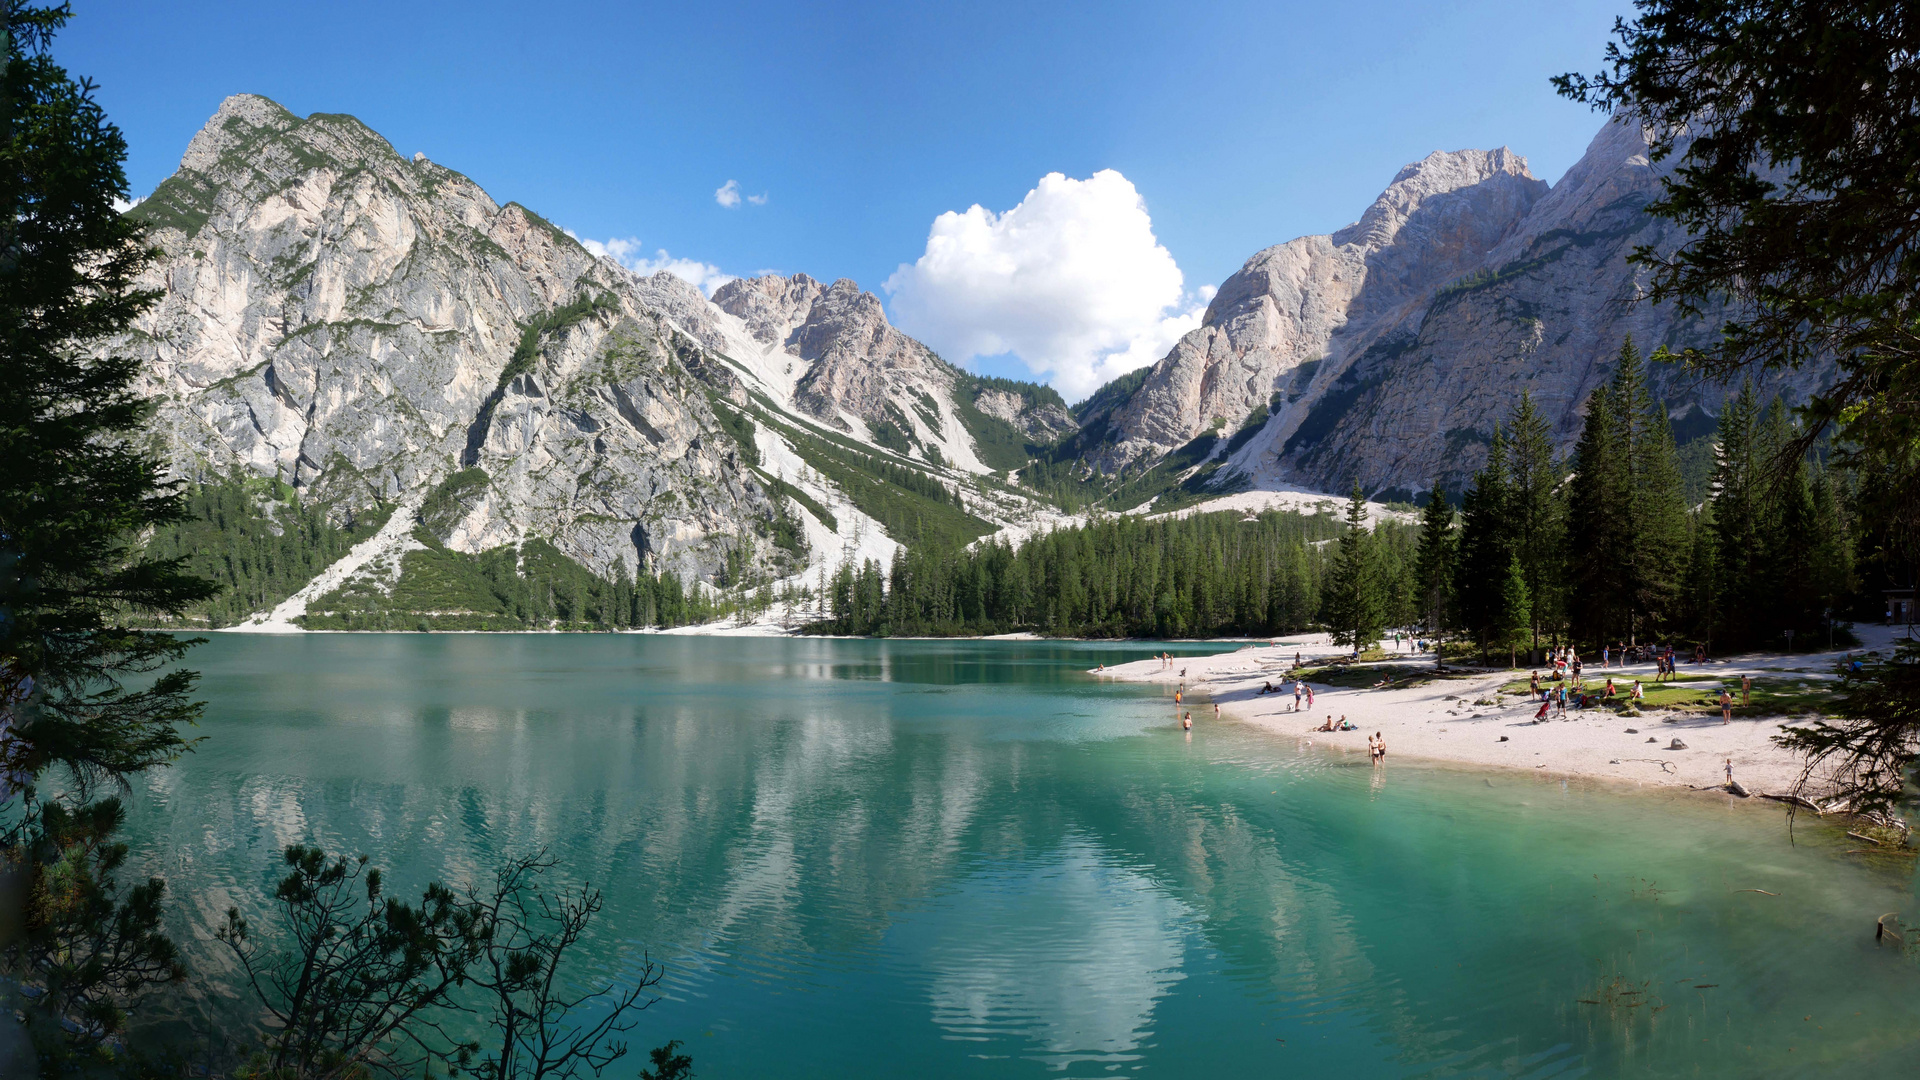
<point x="971" y="859"/>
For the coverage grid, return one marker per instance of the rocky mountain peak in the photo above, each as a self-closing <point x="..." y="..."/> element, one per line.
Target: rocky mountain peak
<point x="242" y="119"/>
<point x="1308" y="305"/>
<point x="363" y="326"/>
<point x="1489" y="175"/>
<point x="856" y="358"/>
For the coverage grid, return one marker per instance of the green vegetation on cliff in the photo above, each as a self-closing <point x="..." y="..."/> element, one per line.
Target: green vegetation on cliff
<point x="258" y="541"/>
<point x="529" y="586"/>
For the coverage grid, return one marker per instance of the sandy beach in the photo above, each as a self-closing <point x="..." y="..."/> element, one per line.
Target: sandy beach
<point x="1441" y="721"/>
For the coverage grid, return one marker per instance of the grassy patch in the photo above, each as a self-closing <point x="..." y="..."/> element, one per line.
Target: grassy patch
<point x="1367" y="676"/>
<point x="1784" y="695"/>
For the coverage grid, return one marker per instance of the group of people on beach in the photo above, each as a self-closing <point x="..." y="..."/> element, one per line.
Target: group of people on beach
<point x="1573" y="691"/>
<point x="1376" y="742"/>
<point x="1300" y="690"/>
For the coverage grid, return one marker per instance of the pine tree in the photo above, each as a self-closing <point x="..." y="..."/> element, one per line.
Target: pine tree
<point x="1598" y="537"/>
<point x="1433" y="567"/>
<point x="1486" y="547"/>
<point x="79" y="700"/>
<point x="1353" y="593"/>
<point x="1537" y="515"/>
<point x="1740" y="514"/>
<point x="1658" y="547"/>
<point x="1513" y="617"/>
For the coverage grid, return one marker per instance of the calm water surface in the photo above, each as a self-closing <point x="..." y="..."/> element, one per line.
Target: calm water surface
<point x="970" y="859"/>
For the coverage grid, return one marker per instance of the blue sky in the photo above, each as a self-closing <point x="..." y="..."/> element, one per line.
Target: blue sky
<point x="1238" y="125"/>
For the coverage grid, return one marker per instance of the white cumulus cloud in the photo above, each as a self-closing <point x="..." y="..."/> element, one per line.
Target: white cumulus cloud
<point x="1071" y="281"/>
<point x="729" y="196"/>
<point x="628" y="253"/>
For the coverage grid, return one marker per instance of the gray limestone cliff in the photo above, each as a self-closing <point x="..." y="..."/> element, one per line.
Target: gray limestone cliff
<point x="1298" y="307"/>
<point x="1386" y="352"/>
<point x="344" y="318"/>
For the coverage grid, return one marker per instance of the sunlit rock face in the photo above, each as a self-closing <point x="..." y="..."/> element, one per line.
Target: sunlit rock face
<point x="343" y="318"/>
<point x="1387" y="351"/>
<point x="1300" y="302"/>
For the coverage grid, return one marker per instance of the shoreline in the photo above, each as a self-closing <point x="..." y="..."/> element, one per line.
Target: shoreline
<point x="1440" y="721"/>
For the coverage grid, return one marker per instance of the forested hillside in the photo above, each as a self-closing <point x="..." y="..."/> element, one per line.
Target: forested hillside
<point x="1220" y="574"/>
<point x="258" y="541"/>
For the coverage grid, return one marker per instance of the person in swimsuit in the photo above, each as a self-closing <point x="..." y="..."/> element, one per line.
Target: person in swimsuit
<point x="1726" y="707"/>
<point x="1379" y="747"/>
<point x="1186" y="722"/>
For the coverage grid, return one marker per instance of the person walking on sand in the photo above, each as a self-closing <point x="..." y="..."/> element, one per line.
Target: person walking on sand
<point x="1726" y="707"/>
<point x="1309" y="695"/>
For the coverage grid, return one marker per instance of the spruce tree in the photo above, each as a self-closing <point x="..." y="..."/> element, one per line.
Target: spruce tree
<point x="1433" y="566"/>
<point x="1353" y="592"/>
<point x="1598" y="536"/>
<point x="1740" y="530"/>
<point x="1513" y="617"/>
<point x="1486" y="547"/>
<point x="84" y="695"/>
<point x="1659" y="543"/>
<point x="1536" y="515"/>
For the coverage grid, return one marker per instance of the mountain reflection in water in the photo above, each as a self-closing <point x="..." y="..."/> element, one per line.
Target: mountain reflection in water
<point x="861" y="858"/>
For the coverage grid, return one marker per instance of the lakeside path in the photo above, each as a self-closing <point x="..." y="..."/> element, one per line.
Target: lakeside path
<point x="1439" y="720"/>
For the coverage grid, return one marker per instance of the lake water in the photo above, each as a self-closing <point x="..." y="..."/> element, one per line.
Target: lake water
<point x="970" y="859"/>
